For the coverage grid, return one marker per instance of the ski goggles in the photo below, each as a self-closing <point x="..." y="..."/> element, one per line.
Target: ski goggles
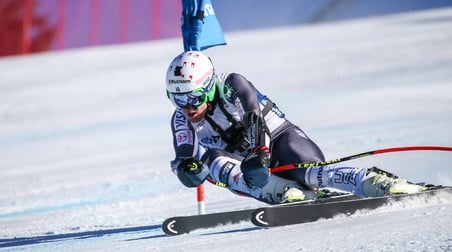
<point x="193" y="99"/>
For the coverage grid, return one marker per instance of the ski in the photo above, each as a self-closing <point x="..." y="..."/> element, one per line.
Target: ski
<point x="282" y="215"/>
<point x="185" y="224"/>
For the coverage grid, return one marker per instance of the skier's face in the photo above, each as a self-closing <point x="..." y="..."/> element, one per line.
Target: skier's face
<point x="195" y="114"/>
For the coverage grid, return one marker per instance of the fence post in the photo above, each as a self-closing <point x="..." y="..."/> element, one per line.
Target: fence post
<point x="155" y="19"/>
<point x="61" y="22"/>
<point x="26" y="26"/>
<point x="124" y="21"/>
<point x="94" y="23"/>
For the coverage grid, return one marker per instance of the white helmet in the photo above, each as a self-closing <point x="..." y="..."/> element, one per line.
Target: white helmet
<point x="190" y="79"/>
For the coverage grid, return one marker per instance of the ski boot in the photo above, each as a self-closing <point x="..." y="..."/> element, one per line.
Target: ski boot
<point x="379" y="183"/>
<point x="292" y="194"/>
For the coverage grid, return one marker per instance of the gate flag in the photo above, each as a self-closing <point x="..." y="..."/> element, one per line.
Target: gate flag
<point x="200" y="27"/>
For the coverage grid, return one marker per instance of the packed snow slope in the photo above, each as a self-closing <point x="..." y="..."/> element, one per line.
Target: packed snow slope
<point x="85" y="137"/>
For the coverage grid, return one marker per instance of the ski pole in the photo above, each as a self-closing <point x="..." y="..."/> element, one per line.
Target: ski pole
<point x="360" y="155"/>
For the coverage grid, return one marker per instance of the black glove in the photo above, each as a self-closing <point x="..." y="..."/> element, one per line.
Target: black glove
<point x="191" y="165"/>
<point x="191" y="172"/>
<point x="255" y="167"/>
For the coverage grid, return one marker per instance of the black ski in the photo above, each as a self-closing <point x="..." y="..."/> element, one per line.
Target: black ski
<point x="281" y="215"/>
<point x="185" y="224"/>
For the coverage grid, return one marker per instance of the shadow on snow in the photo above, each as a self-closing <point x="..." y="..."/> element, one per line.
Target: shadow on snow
<point x="20" y="241"/>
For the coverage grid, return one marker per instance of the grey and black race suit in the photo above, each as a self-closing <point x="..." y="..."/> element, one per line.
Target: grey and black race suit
<point x="221" y="140"/>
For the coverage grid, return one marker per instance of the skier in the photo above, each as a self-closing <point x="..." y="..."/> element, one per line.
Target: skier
<point x="226" y="131"/>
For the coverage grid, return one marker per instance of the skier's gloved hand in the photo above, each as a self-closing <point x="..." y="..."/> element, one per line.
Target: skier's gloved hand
<point x="191" y="172"/>
<point x="255" y="167"/>
<point x="191" y="165"/>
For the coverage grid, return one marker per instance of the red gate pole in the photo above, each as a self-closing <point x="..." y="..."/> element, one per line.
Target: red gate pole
<point x="201" y="199"/>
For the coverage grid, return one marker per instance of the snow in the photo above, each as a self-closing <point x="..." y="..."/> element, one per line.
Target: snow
<point x="85" y="139"/>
